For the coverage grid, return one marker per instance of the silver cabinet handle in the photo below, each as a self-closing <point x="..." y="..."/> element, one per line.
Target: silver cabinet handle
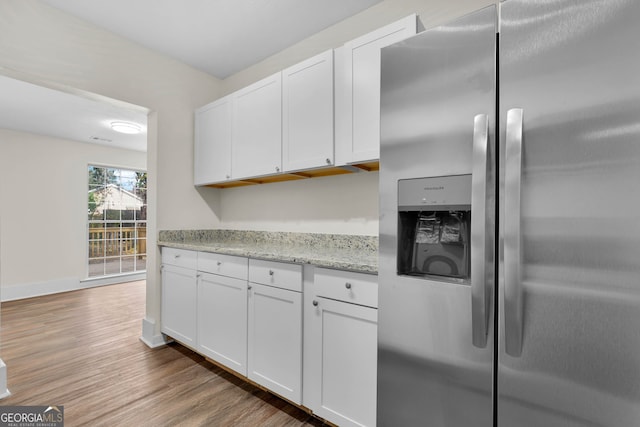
<point x="347" y="285"/>
<point x="328" y="161"/>
<point x="270" y="272"/>
<point x="512" y="244"/>
<point x="249" y="287"/>
<point x="480" y="230"/>
<point x="315" y="303"/>
<point x="277" y="168"/>
<point x="228" y="176"/>
<point x="176" y="256"/>
<point x="219" y="263"/>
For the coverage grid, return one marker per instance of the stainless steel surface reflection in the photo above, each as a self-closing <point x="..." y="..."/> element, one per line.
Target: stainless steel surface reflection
<point x="433" y="87"/>
<point x="573" y="68"/>
<point x="565" y="208"/>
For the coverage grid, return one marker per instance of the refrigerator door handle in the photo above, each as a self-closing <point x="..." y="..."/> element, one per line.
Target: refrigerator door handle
<point x="479" y="193"/>
<point x="513" y="310"/>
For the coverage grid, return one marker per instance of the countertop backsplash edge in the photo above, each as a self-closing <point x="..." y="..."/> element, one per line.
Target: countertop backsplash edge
<point x="339" y="251"/>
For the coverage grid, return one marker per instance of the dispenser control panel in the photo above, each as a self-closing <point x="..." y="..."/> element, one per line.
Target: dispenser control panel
<point x="435" y="193"/>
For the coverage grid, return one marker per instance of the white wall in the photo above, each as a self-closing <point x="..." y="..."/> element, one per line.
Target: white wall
<point x="431" y="13"/>
<point x="335" y="204"/>
<point x="41" y="44"/>
<point x="43" y="188"/>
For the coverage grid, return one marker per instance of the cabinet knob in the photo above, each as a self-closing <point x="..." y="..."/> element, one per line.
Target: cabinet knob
<point x="219" y="263"/>
<point x="176" y="256"/>
<point x="198" y="276"/>
<point x="249" y="287"/>
<point x="277" y="169"/>
<point x="228" y="176"/>
<point x="347" y="285"/>
<point x="328" y="161"/>
<point x="270" y="272"/>
<point x="315" y="303"/>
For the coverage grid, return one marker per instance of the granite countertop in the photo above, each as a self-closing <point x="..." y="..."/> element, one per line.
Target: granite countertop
<point x="338" y="251"/>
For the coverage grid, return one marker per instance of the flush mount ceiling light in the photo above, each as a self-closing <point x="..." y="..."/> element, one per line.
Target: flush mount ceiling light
<point x="126" y="127"/>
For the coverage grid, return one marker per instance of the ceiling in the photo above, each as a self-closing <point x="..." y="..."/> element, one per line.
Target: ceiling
<point x="36" y="109"/>
<point x="219" y="37"/>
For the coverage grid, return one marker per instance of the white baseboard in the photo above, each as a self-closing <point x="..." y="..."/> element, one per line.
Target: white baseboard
<point x="111" y="280"/>
<point x="28" y="290"/>
<point x="149" y="337"/>
<point x="4" y="391"/>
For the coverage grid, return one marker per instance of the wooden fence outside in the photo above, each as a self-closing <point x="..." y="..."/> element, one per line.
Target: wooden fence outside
<point x="117" y="241"/>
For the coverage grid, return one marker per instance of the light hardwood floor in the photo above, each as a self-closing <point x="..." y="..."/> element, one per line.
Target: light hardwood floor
<point x="82" y="350"/>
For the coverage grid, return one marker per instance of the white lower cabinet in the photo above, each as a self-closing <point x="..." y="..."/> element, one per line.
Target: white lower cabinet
<point x="343" y="371"/>
<point x="275" y="340"/>
<point x="247" y="315"/>
<point x="179" y="296"/>
<point x="275" y="327"/>
<point x="222" y="320"/>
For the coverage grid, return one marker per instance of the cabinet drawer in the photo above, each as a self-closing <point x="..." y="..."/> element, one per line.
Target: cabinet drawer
<point x="224" y="265"/>
<point x="356" y="288"/>
<point x="179" y="257"/>
<point x="278" y="274"/>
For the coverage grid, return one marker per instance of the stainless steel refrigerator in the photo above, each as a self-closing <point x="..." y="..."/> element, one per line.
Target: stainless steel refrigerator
<point x="510" y="219"/>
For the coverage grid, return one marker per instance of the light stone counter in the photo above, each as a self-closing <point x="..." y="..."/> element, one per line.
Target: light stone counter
<point x="337" y="251"/>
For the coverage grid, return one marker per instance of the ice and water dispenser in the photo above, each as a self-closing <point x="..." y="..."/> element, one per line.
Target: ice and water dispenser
<point x="434" y="227"/>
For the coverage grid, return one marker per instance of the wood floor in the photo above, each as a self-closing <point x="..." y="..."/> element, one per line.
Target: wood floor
<point x="82" y="350"/>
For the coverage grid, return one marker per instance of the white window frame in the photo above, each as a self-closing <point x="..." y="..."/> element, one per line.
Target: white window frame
<point x="135" y="221"/>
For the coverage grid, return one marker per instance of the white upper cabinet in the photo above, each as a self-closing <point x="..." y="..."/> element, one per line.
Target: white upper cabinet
<point x="257" y="129"/>
<point x="358" y="91"/>
<point x="212" y="149"/>
<point x="307" y="114"/>
<point x="322" y="112"/>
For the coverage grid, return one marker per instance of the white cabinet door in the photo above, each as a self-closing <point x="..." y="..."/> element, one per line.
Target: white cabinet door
<point x="358" y="89"/>
<point x="222" y="320"/>
<point x="178" y="313"/>
<point x="275" y="340"/>
<point x="257" y="129"/>
<point x="345" y="370"/>
<point x="212" y="149"/>
<point x="307" y="114"/>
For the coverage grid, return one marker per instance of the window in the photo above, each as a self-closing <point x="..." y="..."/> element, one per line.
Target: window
<point x="117" y="230"/>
